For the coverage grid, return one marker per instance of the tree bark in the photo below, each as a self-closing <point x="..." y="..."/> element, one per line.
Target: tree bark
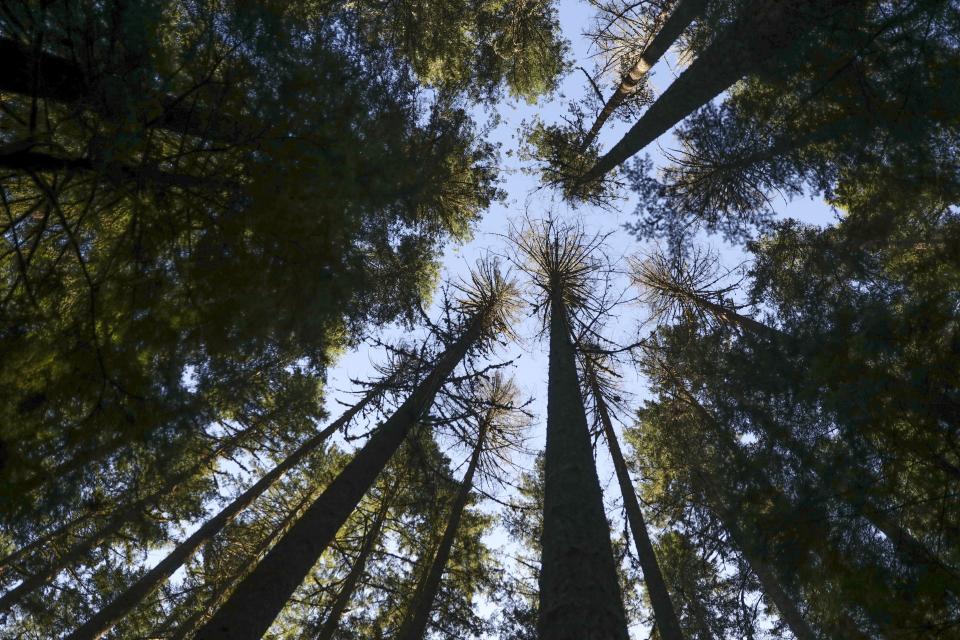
<point x="684" y="12"/>
<point x="252" y="608"/>
<point x="414" y="625"/>
<point x="112" y="613"/>
<point x="579" y="590"/>
<point x="762" y="33"/>
<point x="663" y="610"/>
<point x="190" y="624"/>
<point x="342" y="601"/>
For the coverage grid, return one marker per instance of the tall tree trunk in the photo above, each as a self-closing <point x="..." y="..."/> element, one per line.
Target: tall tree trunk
<point x="828" y="556"/>
<point x="104" y="619"/>
<point x="664" y="613"/>
<point x="414" y="625"/>
<point x="252" y="608"/>
<point x="115" y="522"/>
<point x="342" y="601"/>
<point x="762" y="33"/>
<point x="684" y="12"/>
<point x="125" y="513"/>
<point x="49" y="77"/>
<point x="579" y="591"/>
<point x="186" y="629"/>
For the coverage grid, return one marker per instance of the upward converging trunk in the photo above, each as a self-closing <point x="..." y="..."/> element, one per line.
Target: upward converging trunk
<point x="101" y="622"/>
<point x="666" y="617"/>
<point x="684" y="12"/>
<point x="579" y="592"/>
<point x="250" y="611"/>
<point x="754" y="552"/>
<point x="370" y="540"/>
<point x="414" y="626"/>
<point x="762" y="32"/>
<point x="115" y="522"/>
<point x="186" y="629"/>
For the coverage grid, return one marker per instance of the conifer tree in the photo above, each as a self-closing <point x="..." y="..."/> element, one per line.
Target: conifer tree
<point x="579" y="591"/>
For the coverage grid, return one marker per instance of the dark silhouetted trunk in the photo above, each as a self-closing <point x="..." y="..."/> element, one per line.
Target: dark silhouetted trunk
<point x="579" y="591"/>
<point x="414" y="626"/>
<point x="759" y="36"/>
<point x="115" y="522"/>
<point x="664" y="613"/>
<point x="252" y="608"/>
<point x="342" y="601"/>
<point x="684" y="12"/>
<point x="101" y="622"/>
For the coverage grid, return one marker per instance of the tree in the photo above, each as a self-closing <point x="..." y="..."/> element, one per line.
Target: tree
<point x="599" y="389"/>
<point x="258" y="599"/>
<point x="682" y="13"/>
<point x="493" y="423"/>
<point x="579" y="591"/>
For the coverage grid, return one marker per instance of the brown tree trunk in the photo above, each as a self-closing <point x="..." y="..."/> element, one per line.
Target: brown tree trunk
<point x="664" y="613"/>
<point x="252" y="608"/>
<point x="414" y="626"/>
<point x="579" y="590"/>
<point x="684" y="12"/>
<point x="762" y="33"/>
<point x="342" y="601"/>
<point x="112" y="613"/>
<point x="189" y="625"/>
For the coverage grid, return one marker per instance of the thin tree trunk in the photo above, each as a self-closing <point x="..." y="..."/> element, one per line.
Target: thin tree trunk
<point x="579" y="590"/>
<point x="684" y="12"/>
<point x="49" y="77"/>
<point x="764" y="30"/>
<point x="190" y="624"/>
<point x="112" y="613"/>
<point x="708" y="487"/>
<point x="666" y="617"/>
<point x="252" y="608"/>
<point x="414" y="625"/>
<point x="342" y="601"/>
<point x="117" y="520"/>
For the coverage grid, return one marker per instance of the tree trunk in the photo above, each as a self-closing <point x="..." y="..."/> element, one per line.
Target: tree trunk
<point x="684" y="12"/>
<point x="116" y="521"/>
<point x="252" y="608"/>
<point x="579" y="591"/>
<point x="414" y="626"/>
<point x="666" y="617"/>
<point x="104" y="619"/>
<point x="62" y="80"/>
<point x="332" y="623"/>
<point x="761" y="34"/>
<point x="829" y="556"/>
<point x="186" y="629"/>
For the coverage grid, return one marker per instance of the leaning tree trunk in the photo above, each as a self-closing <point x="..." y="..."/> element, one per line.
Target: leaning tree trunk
<point x="664" y="613"/>
<point x="579" y="591"/>
<point x="252" y="608"/>
<point x="342" y="601"/>
<point x="763" y="32"/>
<point x="189" y="626"/>
<point x="113" y="525"/>
<point x="684" y="12"/>
<point x="414" y="625"/>
<point x="817" y="522"/>
<point x="109" y="615"/>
